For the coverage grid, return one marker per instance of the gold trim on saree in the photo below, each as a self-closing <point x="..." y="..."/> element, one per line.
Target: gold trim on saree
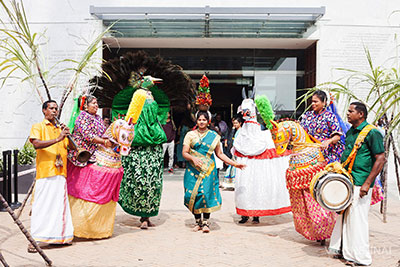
<point x="205" y="170"/>
<point x="207" y="210"/>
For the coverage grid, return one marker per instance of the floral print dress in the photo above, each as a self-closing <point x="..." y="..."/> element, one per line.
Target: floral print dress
<point x="323" y="126"/>
<point x="87" y="127"/>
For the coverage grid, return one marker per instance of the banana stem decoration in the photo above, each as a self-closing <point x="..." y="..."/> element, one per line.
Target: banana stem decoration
<point x="136" y="106"/>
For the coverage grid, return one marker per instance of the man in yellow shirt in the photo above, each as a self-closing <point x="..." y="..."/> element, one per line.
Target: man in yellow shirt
<point x="51" y="221"/>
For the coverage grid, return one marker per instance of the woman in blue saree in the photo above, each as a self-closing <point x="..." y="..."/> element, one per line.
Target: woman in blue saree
<point x="201" y="182"/>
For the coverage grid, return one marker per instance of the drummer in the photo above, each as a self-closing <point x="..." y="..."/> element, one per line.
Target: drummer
<point x="350" y="237"/>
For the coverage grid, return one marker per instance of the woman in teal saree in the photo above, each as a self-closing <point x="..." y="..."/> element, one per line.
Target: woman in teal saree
<point x="201" y="182"/>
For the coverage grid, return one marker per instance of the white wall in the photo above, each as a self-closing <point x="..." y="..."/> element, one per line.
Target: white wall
<point x="346" y="26"/>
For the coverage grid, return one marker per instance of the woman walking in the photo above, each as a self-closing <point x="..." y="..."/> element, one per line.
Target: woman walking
<point x="201" y="183"/>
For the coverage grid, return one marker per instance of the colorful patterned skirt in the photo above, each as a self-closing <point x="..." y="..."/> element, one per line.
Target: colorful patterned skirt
<point x="310" y="219"/>
<point x="93" y="194"/>
<point x="141" y="187"/>
<point x="92" y="220"/>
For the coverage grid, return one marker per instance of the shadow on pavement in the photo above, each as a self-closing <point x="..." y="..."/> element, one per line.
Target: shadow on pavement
<point x="315" y="249"/>
<point x="265" y="220"/>
<point x="126" y="223"/>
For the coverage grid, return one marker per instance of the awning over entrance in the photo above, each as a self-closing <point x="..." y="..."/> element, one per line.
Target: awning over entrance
<point x="208" y="22"/>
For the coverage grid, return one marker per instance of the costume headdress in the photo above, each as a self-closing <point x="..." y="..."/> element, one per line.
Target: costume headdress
<point x="264" y="107"/>
<point x="79" y="105"/>
<point x="203" y="97"/>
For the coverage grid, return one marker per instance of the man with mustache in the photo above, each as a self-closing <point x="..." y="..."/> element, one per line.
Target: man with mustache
<point x="350" y="237"/>
<point x="51" y="221"/>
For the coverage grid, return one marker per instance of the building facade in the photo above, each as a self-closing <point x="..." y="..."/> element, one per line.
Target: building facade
<point x="279" y="50"/>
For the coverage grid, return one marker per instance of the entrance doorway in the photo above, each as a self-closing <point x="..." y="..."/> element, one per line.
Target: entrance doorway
<point x="278" y="73"/>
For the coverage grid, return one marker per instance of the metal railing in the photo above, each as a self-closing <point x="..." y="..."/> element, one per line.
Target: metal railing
<point x="8" y="169"/>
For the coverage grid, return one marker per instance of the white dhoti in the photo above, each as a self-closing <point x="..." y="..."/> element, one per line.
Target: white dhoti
<point x="51" y="220"/>
<point x="350" y="237"/>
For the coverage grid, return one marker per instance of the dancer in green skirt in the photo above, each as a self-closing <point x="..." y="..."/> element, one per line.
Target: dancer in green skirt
<point x="141" y="187"/>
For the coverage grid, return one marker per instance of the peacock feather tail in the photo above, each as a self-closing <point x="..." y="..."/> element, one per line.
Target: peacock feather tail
<point x="117" y="75"/>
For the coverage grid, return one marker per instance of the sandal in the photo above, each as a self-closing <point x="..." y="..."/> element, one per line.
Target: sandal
<point x="149" y="223"/>
<point x="31" y="249"/>
<point x="206" y="227"/>
<point x="198" y="226"/>
<point x="144" y="225"/>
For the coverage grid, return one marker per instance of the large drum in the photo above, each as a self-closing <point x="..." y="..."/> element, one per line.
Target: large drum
<point x="333" y="191"/>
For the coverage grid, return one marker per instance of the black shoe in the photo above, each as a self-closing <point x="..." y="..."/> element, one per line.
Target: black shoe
<point x="338" y="256"/>
<point x="256" y="220"/>
<point x="244" y="219"/>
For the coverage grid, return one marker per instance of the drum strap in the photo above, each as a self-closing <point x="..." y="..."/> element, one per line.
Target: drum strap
<point x="359" y="141"/>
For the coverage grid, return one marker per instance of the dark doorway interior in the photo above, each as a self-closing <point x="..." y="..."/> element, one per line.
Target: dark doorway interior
<point x="229" y="70"/>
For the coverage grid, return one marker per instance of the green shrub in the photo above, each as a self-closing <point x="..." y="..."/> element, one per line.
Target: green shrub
<point x="27" y="154"/>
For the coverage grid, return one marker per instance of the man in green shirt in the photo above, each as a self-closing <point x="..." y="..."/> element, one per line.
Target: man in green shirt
<point x="350" y="237"/>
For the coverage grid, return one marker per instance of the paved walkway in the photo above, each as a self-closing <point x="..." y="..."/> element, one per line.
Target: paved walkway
<point x="273" y="242"/>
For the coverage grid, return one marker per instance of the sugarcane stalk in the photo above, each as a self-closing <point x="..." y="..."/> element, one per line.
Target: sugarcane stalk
<point x="3" y="261"/>
<point x="396" y="162"/>
<point x="24" y="231"/>
<point x="40" y="73"/>
<point x="19" y="212"/>
<point x="385" y="181"/>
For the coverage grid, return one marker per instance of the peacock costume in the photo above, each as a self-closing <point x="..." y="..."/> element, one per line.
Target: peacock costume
<point x="141" y="186"/>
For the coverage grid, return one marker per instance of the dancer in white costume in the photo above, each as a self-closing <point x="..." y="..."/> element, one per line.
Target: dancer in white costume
<point x="260" y="189"/>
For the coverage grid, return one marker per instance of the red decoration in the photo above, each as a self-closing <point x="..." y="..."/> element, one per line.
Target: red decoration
<point x="204" y="82"/>
<point x="83" y="99"/>
<point x="203" y="98"/>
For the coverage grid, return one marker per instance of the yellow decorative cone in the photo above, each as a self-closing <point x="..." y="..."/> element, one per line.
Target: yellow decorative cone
<point x="136" y="105"/>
